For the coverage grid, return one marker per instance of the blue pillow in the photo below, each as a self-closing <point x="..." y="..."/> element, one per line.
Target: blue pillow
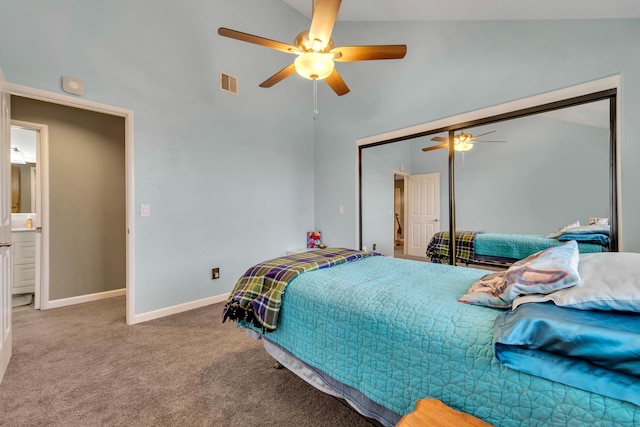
<point x="596" y="238"/>
<point x="541" y="273"/>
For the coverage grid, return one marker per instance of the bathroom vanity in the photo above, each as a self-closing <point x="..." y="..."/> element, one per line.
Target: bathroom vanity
<point x="24" y="262"/>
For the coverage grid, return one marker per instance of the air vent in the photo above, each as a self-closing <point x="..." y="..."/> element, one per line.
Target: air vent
<point x="228" y="83"/>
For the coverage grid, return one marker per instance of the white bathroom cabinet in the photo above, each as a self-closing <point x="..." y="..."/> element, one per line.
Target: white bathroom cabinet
<point x="24" y="262"/>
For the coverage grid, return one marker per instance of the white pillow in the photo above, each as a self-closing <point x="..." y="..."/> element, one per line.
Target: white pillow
<point x="608" y="281"/>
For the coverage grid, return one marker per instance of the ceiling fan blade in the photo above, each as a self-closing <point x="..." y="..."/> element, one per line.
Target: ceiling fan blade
<point x="365" y="53"/>
<point x="435" y="147"/>
<point x="325" y="13"/>
<point x="337" y="84"/>
<point x="279" y="76"/>
<point x="482" y="134"/>
<point x="261" y="41"/>
<point x="440" y="139"/>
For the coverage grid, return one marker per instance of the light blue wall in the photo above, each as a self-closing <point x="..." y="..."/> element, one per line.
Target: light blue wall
<point x="452" y="68"/>
<point x="229" y="178"/>
<point x="550" y="173"/>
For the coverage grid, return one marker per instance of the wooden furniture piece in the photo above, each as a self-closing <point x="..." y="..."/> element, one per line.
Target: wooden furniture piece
<point x="434" y="413"/>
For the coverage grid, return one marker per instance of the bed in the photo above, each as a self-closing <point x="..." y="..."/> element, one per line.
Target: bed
<point x="477" y="247"/>
<point x="384" y="333"/>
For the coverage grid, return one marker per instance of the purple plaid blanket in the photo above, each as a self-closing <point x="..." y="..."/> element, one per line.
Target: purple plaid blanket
<point x="257" y="296"/>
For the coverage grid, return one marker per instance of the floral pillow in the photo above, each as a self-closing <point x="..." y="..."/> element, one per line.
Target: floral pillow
<point x="541" y="273"/>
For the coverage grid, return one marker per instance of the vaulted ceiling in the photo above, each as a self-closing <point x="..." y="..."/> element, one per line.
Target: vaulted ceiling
<point x="454" y="10"/>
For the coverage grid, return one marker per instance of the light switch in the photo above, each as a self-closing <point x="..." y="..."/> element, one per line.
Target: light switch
<point x="145" y="210"/>
<point x="340" y="210"/>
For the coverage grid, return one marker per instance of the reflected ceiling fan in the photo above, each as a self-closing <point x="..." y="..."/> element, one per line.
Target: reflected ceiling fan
<point x="315" y="49"/>
<point x="461" y="142"/>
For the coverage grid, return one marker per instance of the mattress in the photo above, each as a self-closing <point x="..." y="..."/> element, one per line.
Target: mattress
<point x="393" y="330"/>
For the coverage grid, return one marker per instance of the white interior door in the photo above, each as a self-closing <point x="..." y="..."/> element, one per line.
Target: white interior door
<point x="5" y="228"/>
<point x="424" y="211"/>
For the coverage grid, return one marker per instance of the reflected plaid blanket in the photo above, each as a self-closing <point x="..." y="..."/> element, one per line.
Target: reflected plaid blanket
<point x="438" y="247"/>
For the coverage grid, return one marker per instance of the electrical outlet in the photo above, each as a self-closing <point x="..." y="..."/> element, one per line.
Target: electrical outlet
<point x="215" y="273"/>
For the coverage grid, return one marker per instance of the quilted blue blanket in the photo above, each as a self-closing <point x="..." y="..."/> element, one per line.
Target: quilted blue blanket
<point x="393" y="329"/>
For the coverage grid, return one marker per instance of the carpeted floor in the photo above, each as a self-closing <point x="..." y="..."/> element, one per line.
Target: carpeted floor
<point x="83" y="366"/>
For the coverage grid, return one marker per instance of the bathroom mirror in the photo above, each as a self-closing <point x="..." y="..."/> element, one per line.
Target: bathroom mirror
<point x="23" y="169"/>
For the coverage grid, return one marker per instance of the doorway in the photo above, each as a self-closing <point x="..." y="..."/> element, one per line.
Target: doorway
<point x="28" y="144"/>
<point x="97" y="260"/>
<point x="423" y="217"/>
<point x="417" y="213"/>
<point x="399" y="213"/>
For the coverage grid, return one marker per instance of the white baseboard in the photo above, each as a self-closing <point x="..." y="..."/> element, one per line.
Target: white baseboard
<point x="83" y="298"/>
<point x="168" y="311"/>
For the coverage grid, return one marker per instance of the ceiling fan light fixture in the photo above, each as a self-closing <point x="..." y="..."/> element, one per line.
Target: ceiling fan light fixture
<point x="314" y="65"/>
<point x="462" y="146"/>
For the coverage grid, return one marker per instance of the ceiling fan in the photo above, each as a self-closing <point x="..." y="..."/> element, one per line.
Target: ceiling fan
<point x="315" y="49"/>
<point x="461" y="142"/>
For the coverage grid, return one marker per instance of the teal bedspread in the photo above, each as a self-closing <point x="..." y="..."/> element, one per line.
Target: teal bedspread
<point x="520" y="246"/>
<point x="394" y="330"/>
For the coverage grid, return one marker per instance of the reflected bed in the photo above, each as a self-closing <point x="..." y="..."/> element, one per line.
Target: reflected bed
<point x="501" y="249"/>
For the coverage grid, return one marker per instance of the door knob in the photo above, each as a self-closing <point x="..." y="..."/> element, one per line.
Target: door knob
<point x="5" y="244"/>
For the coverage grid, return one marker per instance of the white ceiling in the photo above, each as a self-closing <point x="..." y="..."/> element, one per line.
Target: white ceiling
<point x="595" y="114"/>
<point x="469" y="10"/>
<point x="25" y="141"/>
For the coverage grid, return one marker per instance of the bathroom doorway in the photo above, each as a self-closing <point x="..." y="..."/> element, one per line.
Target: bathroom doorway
<point x="28" y="144"/>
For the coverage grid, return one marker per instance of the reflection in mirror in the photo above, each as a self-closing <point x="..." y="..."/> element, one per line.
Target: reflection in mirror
<point x="553" y="170"/>
<point x="525" y="176"/>
<point x="404" y="196"/>
<point x="23" y="169"/>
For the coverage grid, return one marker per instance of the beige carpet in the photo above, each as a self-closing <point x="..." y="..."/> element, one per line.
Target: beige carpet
<point x="83" y="366"/>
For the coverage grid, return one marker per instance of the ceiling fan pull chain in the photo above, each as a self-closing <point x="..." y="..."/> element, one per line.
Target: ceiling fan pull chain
<point x="315" y="97"/>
